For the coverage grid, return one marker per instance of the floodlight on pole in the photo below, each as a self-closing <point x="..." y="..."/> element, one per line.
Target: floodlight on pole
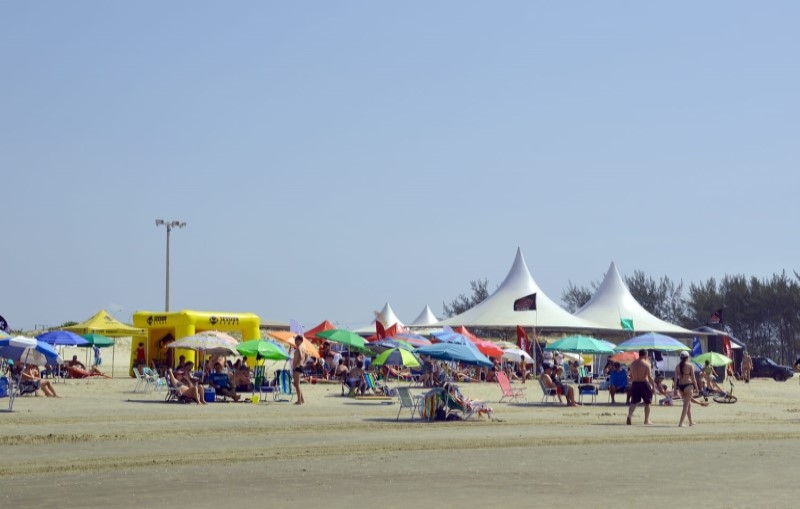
<point x="169" y="225"/>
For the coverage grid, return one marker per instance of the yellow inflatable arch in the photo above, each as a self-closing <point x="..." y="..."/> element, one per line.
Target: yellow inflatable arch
<point x="162" y="327"/>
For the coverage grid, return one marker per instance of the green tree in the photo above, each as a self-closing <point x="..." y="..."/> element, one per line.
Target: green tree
<point x="464" y="302"/>
<point x="575" y="297"/>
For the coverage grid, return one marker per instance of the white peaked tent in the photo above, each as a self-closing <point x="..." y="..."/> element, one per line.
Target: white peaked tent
<point x="425" y="318"/>
<point x="386" y="316"/>
<point x="498" y="309"/>
<point x="613" y="301"/>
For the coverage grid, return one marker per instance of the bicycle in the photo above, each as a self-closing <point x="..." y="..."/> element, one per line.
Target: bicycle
<point x="728" y="397"/>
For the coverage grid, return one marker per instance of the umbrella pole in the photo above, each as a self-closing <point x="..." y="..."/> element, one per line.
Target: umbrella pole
<point x="113" y="352"/>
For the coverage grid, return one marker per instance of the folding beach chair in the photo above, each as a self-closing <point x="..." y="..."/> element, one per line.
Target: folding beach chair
<point x="406" y="401"/>
<point x="456" y="403"/>
<point x="550" y="394"/>
<point x="513" y="394"/>
<point x="140" y="380"/>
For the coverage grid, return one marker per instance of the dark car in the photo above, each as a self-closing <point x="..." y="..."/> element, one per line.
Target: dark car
<point x="764" y="367"/>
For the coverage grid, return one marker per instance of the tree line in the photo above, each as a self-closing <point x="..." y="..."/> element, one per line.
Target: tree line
<point x="762" y="313"/>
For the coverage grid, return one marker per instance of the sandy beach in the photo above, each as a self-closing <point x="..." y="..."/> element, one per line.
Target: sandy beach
<point x="101" y="445"/>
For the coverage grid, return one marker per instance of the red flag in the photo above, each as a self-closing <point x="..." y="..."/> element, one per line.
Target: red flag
<point x="522" y="339"/>
<point x="379" y="330"/>
<point x="726" y="347"/>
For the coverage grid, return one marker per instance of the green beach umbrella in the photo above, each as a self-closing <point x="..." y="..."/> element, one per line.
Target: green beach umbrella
<point x="344" y="337"/>
<point x="98" y="340"/>
<point x="262" y="349"/>
<point x="716" y="359"/>
<point x="581" y="344"/>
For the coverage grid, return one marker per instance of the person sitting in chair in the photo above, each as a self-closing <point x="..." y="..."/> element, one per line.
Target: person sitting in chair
<point x="710" y="377"/>
<point x="467" y="404"/>
<point x="552" y="381"/>
<point x="221" y="383"/>
<point x="355" y="378"/>
<point x="618" y="382"/>
<point x="31" y="381"/>
<point x="186" y="387"/>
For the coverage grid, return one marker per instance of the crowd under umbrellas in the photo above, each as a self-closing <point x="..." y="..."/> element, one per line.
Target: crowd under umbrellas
<point x="404" y="349"/>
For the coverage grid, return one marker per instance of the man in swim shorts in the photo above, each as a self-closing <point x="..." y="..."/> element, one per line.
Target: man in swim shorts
<point x="641" y="386"/>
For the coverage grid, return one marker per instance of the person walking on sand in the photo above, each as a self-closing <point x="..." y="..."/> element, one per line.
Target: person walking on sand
<point x="297" y="368"/>
<point x="687" y="384"/>
<point x="747" y="367"/>
<point x="641" y="386"/>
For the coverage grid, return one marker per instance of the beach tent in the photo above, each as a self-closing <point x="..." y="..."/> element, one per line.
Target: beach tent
<point x="387" y="318"/>
<point x="497" y="311"/>
<point x="612" y="303"/>
<point x="103" y="323"/>
<point x="312" y="332"/>
<point x="425" y="319"/>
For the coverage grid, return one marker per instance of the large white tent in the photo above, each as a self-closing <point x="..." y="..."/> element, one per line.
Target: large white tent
<point x="425" y="318"/>
<point x="387" y="318"/>
<point x="498" y="309"/>
<point x="613" y="301"/>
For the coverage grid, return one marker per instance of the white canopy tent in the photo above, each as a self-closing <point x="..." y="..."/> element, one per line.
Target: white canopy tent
<point x="386" y="316"/>
<point x="498" y="309"/>
<point x="425" y="318"/>
<point x="613" y="301"/>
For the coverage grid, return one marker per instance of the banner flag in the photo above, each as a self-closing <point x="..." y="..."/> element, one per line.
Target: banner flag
<point x="626" y="323"/>
<point x="380" y="331"/>
<point x="522" y="339"/>
<point x="4" y="325"/>
<point x="295" y="327"/>
<point x="526" y="303"/>
<point x="726" y="347"/>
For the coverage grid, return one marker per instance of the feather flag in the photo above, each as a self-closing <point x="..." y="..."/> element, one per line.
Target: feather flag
<point x="295" y="327"/>
<point x="696" y="348"/>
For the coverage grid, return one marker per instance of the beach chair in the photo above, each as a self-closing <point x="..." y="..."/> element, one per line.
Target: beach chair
<point x="587" y="391"/>
<point x="151" y="379"/>
<point x="406" y="401"/>
<point x="507" y="390"/>
<point x="550" y="394"/>
<point x="283" y="382"/>
<point x="9" y="389"/>
<point x="456" y="403"/>
<point x="263" y="384"/>
<point x="140" y="380"/>
<point x="377" y="388"/>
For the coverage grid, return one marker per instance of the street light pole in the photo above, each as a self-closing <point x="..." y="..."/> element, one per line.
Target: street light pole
<point x="169" y="226"/>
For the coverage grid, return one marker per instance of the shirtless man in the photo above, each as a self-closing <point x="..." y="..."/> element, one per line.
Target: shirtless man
<point x="297" y="368"/>
<point x="641" y="386"/>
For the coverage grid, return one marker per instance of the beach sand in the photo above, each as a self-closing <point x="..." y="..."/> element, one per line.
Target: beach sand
<point x="101" y="445"/>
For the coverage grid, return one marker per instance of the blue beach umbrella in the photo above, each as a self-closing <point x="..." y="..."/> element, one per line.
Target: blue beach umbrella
<point x="455" y="352"/>
<point x="62" y="338"/>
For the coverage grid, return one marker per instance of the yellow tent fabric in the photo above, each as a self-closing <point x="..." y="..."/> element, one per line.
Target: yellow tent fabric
<point x="105" y="324"/>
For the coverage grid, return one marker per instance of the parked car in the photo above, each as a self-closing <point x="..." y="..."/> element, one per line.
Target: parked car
<point x="764" y="367"/>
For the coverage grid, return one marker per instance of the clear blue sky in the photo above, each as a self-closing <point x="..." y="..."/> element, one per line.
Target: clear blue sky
<point x="332" y="156"/>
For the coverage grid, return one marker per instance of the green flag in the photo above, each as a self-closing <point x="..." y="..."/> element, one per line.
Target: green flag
<point x="627" y="323"/>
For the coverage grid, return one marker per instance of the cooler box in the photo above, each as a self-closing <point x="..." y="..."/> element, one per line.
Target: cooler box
<point x="210" y="395"/>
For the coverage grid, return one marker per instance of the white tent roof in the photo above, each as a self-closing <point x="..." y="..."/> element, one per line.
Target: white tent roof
<point x="498" y="309"/>
<point x="425" y="318"/>
<point x="386" y="316"/>
<point x="613" y="301"/>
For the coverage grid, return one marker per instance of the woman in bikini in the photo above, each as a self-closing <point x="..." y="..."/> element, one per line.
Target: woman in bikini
<point x="686" y="386"/>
